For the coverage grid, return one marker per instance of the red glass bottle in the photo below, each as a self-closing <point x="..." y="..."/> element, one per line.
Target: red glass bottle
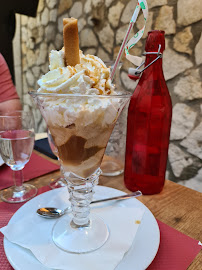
<point x="148" y="125"/>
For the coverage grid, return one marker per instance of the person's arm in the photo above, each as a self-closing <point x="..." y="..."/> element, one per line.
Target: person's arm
<point x="9" y="99"/>
<point x="6" y="106"/>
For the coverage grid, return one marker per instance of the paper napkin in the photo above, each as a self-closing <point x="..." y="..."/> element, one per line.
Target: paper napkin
<point x="34" y="233"/>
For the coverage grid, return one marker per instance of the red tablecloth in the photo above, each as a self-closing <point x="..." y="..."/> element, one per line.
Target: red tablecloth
<point x="37" y="166"/>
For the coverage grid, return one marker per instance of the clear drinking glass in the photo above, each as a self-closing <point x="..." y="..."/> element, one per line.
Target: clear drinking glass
<point x="16" y="145"/>
<point x="80" y="135"/>
<point x="114" y="157"/>
<point x="60" y="181"/>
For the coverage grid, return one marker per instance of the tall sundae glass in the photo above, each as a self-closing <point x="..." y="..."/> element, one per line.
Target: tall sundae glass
<point x="80" y="107"/>
<point x="81" y="146"/>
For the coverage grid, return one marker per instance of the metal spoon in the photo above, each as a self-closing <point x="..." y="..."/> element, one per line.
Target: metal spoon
<point x="51" y="212"/>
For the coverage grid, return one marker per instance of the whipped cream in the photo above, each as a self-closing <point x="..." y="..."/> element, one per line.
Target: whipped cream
<point x="90" y="77"/>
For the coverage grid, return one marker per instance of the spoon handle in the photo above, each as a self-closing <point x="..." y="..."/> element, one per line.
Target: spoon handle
<point x="122" y="197"/>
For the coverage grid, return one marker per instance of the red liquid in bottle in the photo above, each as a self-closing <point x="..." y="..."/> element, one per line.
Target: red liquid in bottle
<point x="148" y="126"/>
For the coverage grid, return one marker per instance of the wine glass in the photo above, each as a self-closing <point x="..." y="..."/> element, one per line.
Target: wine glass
<point x="80" y="126"/>
<point x="16" y="145"/>
<point x="60" y="181"/>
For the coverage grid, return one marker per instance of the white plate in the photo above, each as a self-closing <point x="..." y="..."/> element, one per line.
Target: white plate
<point x="139" y="257"/>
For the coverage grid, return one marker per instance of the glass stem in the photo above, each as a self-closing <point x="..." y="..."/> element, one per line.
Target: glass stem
<point x="81" y="193"/>
<point x="18" y="180"/>
<point x="61" y="171"/>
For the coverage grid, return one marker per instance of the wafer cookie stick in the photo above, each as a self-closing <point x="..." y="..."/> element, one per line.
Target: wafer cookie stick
<point x="71" y="41"/>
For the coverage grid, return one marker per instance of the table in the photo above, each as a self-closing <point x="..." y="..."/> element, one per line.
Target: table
<point x="177" y="206"/>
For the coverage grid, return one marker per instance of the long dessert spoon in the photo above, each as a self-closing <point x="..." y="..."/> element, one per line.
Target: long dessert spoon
<point x="52" y="212"/>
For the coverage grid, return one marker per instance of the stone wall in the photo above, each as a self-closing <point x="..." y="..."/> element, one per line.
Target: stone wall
<point x="102" y="25"/>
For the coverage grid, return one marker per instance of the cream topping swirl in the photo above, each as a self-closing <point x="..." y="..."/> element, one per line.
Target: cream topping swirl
<point x="91" y="76"/>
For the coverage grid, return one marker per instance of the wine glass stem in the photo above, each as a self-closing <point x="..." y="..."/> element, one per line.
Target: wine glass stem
<point x="61" y="170"/>
<point x="18" y="180"/>
<point x="81" y="194"/>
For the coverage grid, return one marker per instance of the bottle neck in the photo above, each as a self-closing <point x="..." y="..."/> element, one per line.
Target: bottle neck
<point x="155" y="67"/>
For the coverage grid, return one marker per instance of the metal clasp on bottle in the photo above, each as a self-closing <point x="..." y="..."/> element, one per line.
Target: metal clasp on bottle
<point x="137" y="72"/>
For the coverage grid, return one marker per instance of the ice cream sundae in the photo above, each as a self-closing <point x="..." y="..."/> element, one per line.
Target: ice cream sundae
<point x="82" y="123"/>
<point x="80" y="106"/>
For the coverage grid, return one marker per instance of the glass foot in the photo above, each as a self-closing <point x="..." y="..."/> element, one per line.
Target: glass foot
<point x="18" y="194"/>
<point x="57" y="183"/>
<point x="111" y="166"/>
<point x="80" y="239"/>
